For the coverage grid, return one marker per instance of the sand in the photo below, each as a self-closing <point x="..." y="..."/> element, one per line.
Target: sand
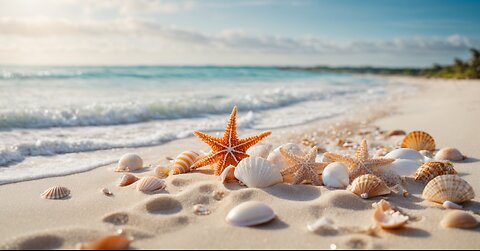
<point x="449" y="110"/>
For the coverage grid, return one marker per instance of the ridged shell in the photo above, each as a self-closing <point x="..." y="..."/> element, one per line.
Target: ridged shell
<point x="335" y="175"/>
<point x="403" y="167"/>
<point x="150" y="184"/>
<point x="389" y="219"/>
<point x="259" y="150"/>
<point x="55" y="193"/>
<point x="108" y="242"/>
<point x="161" y="172"/>
<point x="405" y="153"/>
<point x="183" y="162"/>
<point x="277" y="159"/>
<point x="448" y="187"/>
<point x="257" y="172"/>
<point x="449" y="153"/>
<point x="250" y="213"/>
<point x="368" y="186"/>
<point x="459" y="219"/>
<point x="129" y="162"/>
<point x="127" y="179"/>
<point x="432" y="169"/>
<point x="418" y="140"/>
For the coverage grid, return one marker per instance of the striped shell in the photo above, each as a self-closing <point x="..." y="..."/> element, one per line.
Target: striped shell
<point x="127" y="179"/>
<point x="418" y="140"/>
<point x="150" y="184"/>
<point x="183" y="162"/>
<point x="448" y="187"/>
<point x="432" y="169"/>
<point x="55" y="193"/>
<point x="367" y="186"/>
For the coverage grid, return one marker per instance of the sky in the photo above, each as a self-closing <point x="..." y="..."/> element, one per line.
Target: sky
<point x="401" y="33"/>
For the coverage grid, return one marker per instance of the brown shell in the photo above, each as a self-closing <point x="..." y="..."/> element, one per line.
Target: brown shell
<point x="368" y="185"/>
<point x="449" y="153"/>
<point x="108" y="242"/>
<point x="418" y="140"/>
<point x="55" y="193"/>
<point x="448" y="187"/>
<point x="432" y="169"/>
<point x="458" y="219"/>
<point x="127" y="179"/>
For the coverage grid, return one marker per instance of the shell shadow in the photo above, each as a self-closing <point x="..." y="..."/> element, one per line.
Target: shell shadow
<point x="275" y="224"/>
<point x="294" y="192"/>
<point x="473" y="206"/>
<point x="468" y="160"/>
<point x="44" y="242"/>
<point x="410" y="232"/>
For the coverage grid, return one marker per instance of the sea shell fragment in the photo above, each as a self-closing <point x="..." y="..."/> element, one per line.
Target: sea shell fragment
<point x="458" y="219"/>
<point x="257" y="172"/>
<point x="250" y="213"/>
<point x="184" y="161"/>
<point x="448" y="187"/>
<point x="150" y="184"/>
<point x="449" y="153"/>
<point x="368" y="186"/>
<point x="418" y="140"/>
<point x="127" y="179"/>
<point x="108" y="242"/>
<point x="129" y="162"/>
<point x="432" y="169"/>
<point x="335" y="175"/>
<point x="389" y="219"/>
<point x="55" y="193"/>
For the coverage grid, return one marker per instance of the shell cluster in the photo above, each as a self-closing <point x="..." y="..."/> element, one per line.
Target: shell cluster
<point x="368" y="186"/>
<point x="418" y="140"/>
<point x="184" y="161"/>
<point x="432" y="169"/>
<point x="129" y="162"/>
<point x="55" y="193"/>
<point x="448" y="188"/>
<point x="257" y="172"/>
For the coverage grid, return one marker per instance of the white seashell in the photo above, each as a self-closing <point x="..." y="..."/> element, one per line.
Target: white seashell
<point x="250" y="213"/>
<point x="276" y="158"/>
<point x="55" y="193"/>
<point x="449" y="153"/>
<point x="403" y="167"/>
<point x="257" y="172"/>
<point x="259" y="150"/>
<point x="451" y="205"/>
<point x="323" y="226"/>
<point x="228" y="174"/>
<point x="150" y="184"/>
<point x="336" y="175"/>
<point x="405" y="153"/>
<point x="129" y="162"/>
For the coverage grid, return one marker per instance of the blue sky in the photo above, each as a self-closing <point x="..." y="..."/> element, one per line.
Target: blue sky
<point x="248" y="32"/>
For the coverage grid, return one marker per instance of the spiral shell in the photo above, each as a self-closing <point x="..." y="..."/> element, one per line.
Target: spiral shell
<point x="55" y="193"/>
<point x="127" y="179"/>
<point x="418" y="140"/>
<point x="150" y="184"/>
<point x="129" y="162"/>
<point x="183" y="162"/>
<point x="257" y="172"/>
<point x="368" y="185"/>
<point x="432" y="169"/>
<point x="448" y="188"/>
<point x="449" y="153"/>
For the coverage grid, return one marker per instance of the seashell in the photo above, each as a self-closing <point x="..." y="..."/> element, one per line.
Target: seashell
<point x="276" y="158"/>
<point x="161" y="172"/>
<point x="55" y="193"/>
<point x="426" y="153"/>
<point x="450" y="205"/>
<point x="432" y="169"/>
<point x="389" y="219"/>
<point x="459" y="219"/>
<point x="108" y="242"/>
<point x="228" y="174"/>
<point x="150" y="184"/>
<point x="449" y="153"/>
<point x="107" y="191"/>
<point x="183" y="162"/>
<point x="129" y="162"/>
<point x="127" y="179"/>
<point x="200" y="209"/>
<point x="403" y="167"/>
<point x="385" y="205"/>
<point x="418" y="140"/>
<point x="323" y="226"/>
<point x="448" y="187"/>
<point x="335" y="175"/>
<point x="405" y="153"/>
<point x="368" y="186"/>
<point x="250" y="213"/>
<point x="396" y="133"/>
<point x="259" y="150"/>
<point x="257" y="172"/>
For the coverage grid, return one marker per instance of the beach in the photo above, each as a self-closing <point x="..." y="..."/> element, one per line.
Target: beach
<point x="449" y="110"/>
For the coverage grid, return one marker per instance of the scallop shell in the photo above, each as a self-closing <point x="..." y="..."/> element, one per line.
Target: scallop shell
<point x="403" y="167"/>
<point x="277" y="159"/>
<point x="418" y="140"/>
<point x="55" y="193"/>
<point x="389" y="219"/>
<point x="335" y="175"/>
<point x="448" y="187"/>
<point x="129" y="162"/>
<point x="257" y="172"/>
<point x="161" y="172"/>
<point x="183" y="162"/>
<point x="459" y="219"/>
<point x="127" y="179"/>
<point x="150" y="184"/>
<point x="108" y="242"/>
<point x="449" y="153"/>
<point x="228" y="174"/>
<point x="259" y="150"/>
<point x="367" y="186"/>
<point x="405" y="153"/>
<point x="432" y="169"/>
<point x="250" y="213"/>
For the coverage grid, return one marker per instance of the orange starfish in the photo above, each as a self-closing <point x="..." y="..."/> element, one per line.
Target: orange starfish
<point x="229" y="149"/>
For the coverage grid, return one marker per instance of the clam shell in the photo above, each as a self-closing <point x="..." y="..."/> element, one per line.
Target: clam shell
<point x="250" y="213"/>
<point x="129" y="162"/>
<point x="127" y="179"/>
<point x="403" y="167"/>
<point x="458" y="219"/>
<point x="55" y="193"/>
<point x="448" y="187"/>
<point x="368" y="186"/>
<point x="228" y="174"/>
<point x="257" y="172"/>
<point x="184" y="161"/>
<point x="259" y="150"/>
<point x="405" y="153"/>
<point x="432" y="169"/>
<point x="418" y="140"/>
<point x="449" y="153"/>
<point x="389" y="219"/>
<point x="335" y="175"/>
<point x="150" y="184"/>
<point x="277" y="159"/>
<point x="108" y="242"/>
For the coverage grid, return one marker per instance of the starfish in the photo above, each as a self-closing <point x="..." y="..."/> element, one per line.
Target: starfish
<point x="361" y="163"/>
<point x="229" y="149"/>
<point x="303" y="167"/>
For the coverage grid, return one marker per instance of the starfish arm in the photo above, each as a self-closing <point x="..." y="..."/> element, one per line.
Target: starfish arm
<point x="252" y="140"/>
<point x="312" y="154"/>
<point x="221" y="165"/>
<point x="290" y="170"/>
<point x="213" y="142"/>
<point x="204" y="161"/>
<point x="318" y="167"/>
<point x="231" y="129"/>
<point x="315" y="178"/>
<point x="340" y="158"/>
<point x="362" y="151"/>
<point x="374" y="164"/>
<point x="299" y="177"/>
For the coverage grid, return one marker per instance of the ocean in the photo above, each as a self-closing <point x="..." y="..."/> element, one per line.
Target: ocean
<point x="53" y="118"/>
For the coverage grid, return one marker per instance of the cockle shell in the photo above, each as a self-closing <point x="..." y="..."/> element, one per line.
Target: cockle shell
<point x="368" y="186"/>
<point x="150" y="184"/>
<point x="183" y="162"/>
<point x="335" y="175"/>
<point x="108" y="242"/>
<point x="129" y="162"/>
<point x="257" y="172"/>
<point x="228" y="174"/>
<point x="403" y="167"/>
<point x="55" y="193"/>
<point x="259" y="150"/>
<point x="250" y="213"/>
<point x="127" y="179"/>
<point x="418" y="140"/>
<point x="405" y="153"/>
<point x="389" y="219"/>
<point x="432" y="169"/>
<point x="277" y="159"/>
<point x="448" y="187"/>
<point x="449" y="153"/>
<point x="458" y="219"/>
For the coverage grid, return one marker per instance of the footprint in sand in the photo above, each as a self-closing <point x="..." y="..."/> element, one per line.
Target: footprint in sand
<point x="206" y="189"/>
<point x="179" y="182"/>
<point x="117" y="218"/>
<point x="163" y="205"/>
<point x="41" y="242"/>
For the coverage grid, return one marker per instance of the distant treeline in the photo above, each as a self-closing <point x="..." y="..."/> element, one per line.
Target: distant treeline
<point x="469" y="69"/>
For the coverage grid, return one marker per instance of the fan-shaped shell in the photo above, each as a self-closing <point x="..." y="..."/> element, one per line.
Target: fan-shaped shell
<point x="250" y="213"/>
<point x="336" y="175"/>
<point x="55" y="193"/>
<point x="150" y="184"/>
<point x="432" y="169"/>
<point x="405" y="153"/>
<point x="277" y="159"/>
<point x="183" y="162"/>
<point x="368" y="185"/>
<point x="127" y="179"/>
<point x="449" y="153"/>
<point x="129" y="162"/>
<point x="257" y="172"/>
<point x="458" y="219"/>
<point x="448" y="187"/>
<point x="259" y="150"/>
<point x="418" y="140"/>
